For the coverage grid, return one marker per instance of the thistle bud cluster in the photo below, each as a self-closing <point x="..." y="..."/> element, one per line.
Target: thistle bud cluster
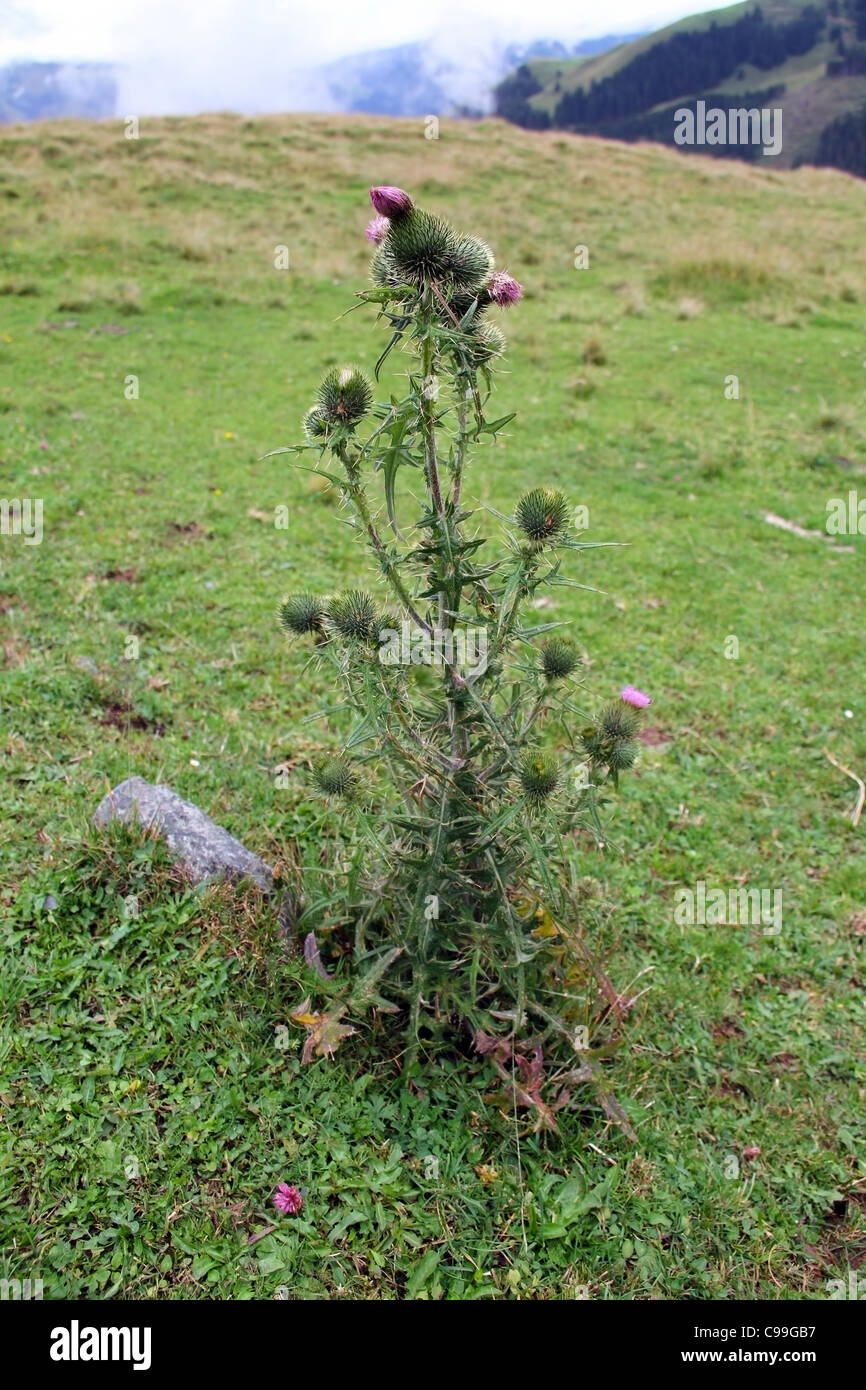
<point x="612" y="741"/>
<point x="418" y="249"/>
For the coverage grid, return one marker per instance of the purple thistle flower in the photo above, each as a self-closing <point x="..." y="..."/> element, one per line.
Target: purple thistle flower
<point x="504" y="289"/>
<point x="390" y="201"/>
<point x="377" y="230"/>
<point x="631" y="696"/>
<point x="288" y="1200"/>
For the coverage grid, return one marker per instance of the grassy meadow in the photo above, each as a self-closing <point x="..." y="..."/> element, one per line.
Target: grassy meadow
<point x="151" y="1097"/>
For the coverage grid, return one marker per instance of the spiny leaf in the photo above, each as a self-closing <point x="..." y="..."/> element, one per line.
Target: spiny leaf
<point x="495" y="425"/>
<point x="363" y="990"/>
<point x="393" y="343"/>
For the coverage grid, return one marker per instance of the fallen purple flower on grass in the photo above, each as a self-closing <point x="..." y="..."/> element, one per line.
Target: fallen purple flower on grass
<point x="377" y="230"/>
<point x="631" y="696"/>
<point x="390" y="201"/>
<point x="288" y="1200"/>
<point x="504" y="289"/>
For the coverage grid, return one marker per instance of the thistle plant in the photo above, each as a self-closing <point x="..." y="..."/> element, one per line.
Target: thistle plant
<point x="451" y="904"/>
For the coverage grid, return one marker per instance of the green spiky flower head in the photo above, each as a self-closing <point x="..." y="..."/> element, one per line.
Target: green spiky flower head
<point x="345" y="396"/>
<point x="558" y="658"/>
<point x="316" y="427"/>
<point x="619" y="721"/>
<point x="383" y="269"/>
<point x="539" y="777"/>
<point x="422" y="249"/>
<point x="354" y="615"/>
<point x="542" y="516"/>
<point x="612" y="741"/>
<point x="487" y="342"/>
<point x="471" y="263"/>
<point x="300" y="614"/>
<point x="623" y="755"/>
<point x="336" y="776"/>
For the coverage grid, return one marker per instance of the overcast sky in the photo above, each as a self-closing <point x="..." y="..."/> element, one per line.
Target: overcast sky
<point x="293" y="31"/>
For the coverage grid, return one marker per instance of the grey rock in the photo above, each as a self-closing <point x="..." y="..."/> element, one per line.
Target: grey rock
<point x="197" y="843"/>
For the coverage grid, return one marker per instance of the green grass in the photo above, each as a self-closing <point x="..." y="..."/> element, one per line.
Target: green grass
<point x="166" y="1038"/>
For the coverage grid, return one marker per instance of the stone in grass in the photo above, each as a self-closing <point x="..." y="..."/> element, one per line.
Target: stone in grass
<point x="201" y="847"/>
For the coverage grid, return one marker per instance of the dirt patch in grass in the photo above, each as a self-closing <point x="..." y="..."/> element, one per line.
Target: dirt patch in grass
<point x="119" y="714"/>
<point x="727" y="1028"/>
<point x="654" y="737"/>
<point x="189" y="530"/>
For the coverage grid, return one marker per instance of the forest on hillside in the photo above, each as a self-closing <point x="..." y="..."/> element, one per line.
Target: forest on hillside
<point x="626" y="104"/>
<point x="690" y="62"/>
<point x="843" y="143"/>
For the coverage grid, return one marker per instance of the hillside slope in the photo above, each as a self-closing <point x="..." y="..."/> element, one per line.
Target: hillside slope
<point x="157" y="1036"/>
<point x="806" y="59"/>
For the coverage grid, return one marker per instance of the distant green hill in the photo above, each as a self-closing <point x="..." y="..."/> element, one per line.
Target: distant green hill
<point x="804" y="58"/>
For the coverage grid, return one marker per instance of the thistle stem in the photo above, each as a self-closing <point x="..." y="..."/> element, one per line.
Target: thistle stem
<point x="389" y="567"/>
<point x="462" y="439"/>
<point x="428" y="427"/>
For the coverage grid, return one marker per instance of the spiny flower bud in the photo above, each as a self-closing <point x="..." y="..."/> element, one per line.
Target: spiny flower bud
<point x="558" y="658"/>
<point x="302" y="613"/>
<point x="335" y="776"/>
<point x="354" y="615"/>
<point x="390" y="201"/>
<point x="471" y="262"/>
<point x="619" y="721"/>
<point x="487" y="343"/>
<point x="504" y="289"/>
<point x="377" y="230"/>
<point x="383" y="271"/>
<point x="425" y="249"/>
<point x="421" y="248"/>
<point x="316" y="427"/>
<point x="623" y="755"/>
<point x="542" y="515"/>
<point x="539" y="777"/>
<point x="611" y="741"/>
<point x="345" y="396"/>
